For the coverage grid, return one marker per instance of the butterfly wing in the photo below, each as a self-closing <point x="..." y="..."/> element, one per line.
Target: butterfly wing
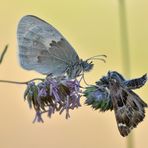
<point x="129" y="109"/>
<point x="42" y="48"/>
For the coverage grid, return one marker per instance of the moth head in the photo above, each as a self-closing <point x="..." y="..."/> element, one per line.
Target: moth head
<point x="115" y="78"/>
<point x="87" y="66"/>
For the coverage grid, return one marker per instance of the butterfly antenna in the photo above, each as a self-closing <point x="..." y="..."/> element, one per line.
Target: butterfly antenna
<point x="101" y="59"/>
<point x="102" y="55"/>
<point x="98" y="57"/>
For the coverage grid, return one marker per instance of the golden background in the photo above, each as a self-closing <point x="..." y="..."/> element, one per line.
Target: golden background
<point x="92" y="27"/>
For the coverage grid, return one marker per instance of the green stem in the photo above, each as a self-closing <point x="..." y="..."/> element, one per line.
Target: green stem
<point x="125" y="52"/>
<point x="3" y="53"/>
<point x="124" y="37"/>
<point x="16" y="82"/>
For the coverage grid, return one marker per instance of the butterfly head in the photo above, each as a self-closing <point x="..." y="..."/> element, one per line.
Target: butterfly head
<point x="87" y="66"/>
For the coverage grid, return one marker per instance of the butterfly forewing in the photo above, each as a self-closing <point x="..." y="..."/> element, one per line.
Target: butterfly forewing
<point x="42" y="48"/>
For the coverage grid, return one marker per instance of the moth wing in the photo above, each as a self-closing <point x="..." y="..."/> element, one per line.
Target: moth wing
<point x="136" y="83"/>
<point x="42" y="48"/>
<point x="129" y="110"/>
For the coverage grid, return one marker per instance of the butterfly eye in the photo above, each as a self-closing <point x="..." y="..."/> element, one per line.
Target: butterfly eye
<point x="87" y="66"/>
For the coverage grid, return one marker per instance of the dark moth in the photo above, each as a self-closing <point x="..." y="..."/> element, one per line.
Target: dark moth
<point x="114" y="92"/>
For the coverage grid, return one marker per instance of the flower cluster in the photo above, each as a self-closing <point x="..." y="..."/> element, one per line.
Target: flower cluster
<point x="98" y="97"/>
<point x="53" y="94"/>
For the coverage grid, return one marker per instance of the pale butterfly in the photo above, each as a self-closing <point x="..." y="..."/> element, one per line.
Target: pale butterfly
<point x="43" y="49"/>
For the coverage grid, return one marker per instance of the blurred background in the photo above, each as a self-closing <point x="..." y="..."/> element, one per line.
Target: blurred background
<point x="92" y="27"/>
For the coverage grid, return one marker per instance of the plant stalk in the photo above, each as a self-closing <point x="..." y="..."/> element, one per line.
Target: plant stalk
<point x="125" y="52"/>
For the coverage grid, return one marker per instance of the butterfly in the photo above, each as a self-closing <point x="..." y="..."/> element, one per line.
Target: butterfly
<point x="114" y="92"/>
<point x="44" y="49"/>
